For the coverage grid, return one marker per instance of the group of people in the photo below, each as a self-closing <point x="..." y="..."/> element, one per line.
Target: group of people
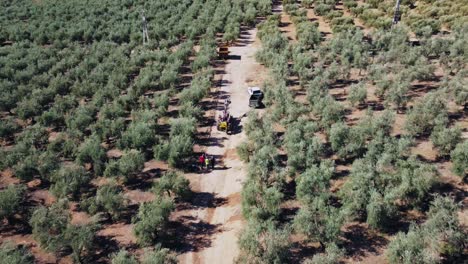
<point x="206" y="162"/>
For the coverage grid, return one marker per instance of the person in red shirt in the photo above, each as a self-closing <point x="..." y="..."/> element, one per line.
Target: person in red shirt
<point x="201" y="160"/>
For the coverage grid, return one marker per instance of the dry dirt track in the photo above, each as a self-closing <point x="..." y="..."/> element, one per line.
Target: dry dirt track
<point x="218" y="216"/>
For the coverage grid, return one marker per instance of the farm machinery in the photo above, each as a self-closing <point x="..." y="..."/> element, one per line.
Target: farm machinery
<point x="224" y="122"/>
<point x="223" y="51"/>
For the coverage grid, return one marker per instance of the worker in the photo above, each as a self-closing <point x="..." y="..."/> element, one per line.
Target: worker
<point x="207" y="163"/>
<point x="201" y="160"/>
<point x="212" y="162"/>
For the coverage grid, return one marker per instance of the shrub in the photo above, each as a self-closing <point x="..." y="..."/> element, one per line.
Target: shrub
<point x="315" y="181"/>
<point x="180" y="145"/>
<point x="139" y="135"/>
<point x="319" y="221"/>
<point x="128" y="166"/>
<point x="189" y="110"/>
<point x="264" y="242"/>
<point x="329" y="110"/>
<point x="410" y="247"/>
<point x="349" y="4"/>
<point x="332" y="255"/>
<point x="80" y="119"/>
<point x="446" y="139"/>
<point x="159" y="256"/>
<point x="80" y="238"/>
<point x="308" y="35"/>
<point x="161" y="103"/>
<point x="379" y="210"/>
<point x="176" y="151"/>
<point x="307" y="3"/>
<point x="183" y="126"/>
<point x="264" y="7"/>
<point x="91" y="151"/>
<point x="259" y="202"/>
<point x="68" y="181"/>
<point x="323" y="9"/>
<point x="108" y="199"/>
<point x="152" y="220"/>
<point x="49" y="225"/>
<point x="123" y="257"/>
<point x="382" y="178"/>
<point x="459" y="157"/>
<point x="347" y="142"/>
<point x="63" y="146"/>
<point x="26" y="169"/>
<point x="303" y="147"/>
<point x="440" y="235"/>
<point x="8" y="127"/>
<point x="426" y="113"/>
<point x="10" y="200"/>
<point x="12" y="255"/>
<point x="244" y="150"/>
<point x="457" y="88"/>
<point x="357" y="94"/>
<point x="396" y="93"/>
<point x="174" y="185"/>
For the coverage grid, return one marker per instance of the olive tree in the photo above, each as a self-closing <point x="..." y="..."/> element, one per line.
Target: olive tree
<point x="445" y="139"/>
<point x="92" y="152"/>
<point x="347" y="141"/>
<point x="303" y="147"/>
<point x="332" y="255"/>
<point x="139" y="134"/>
<point x="440" y="235"/>
<point x="49" y="225"/>
<point x="319" y="221"/>
<point x="357" y="94"/>
<point x="108" y="199"/>
<point x="123" y="257"/>
<point x="260" y="202"/>
<point x="80" y="238"/>
<point x="426" y="113"/>
<point x="13" y="255"/>
<point x="10" y="200"/>
<point x="459" y="157"/>
<point x="7" y="128"/>
<point x="179" y="147"/>
<point x="68" y="180"/>
<point x="159" y="255"/>
<point x="264" y="242"/>
<point x="315" y="181"/>
<point x="173" y="185"/>
<point x="128" y="166"/>
<point x="152" y="219"/>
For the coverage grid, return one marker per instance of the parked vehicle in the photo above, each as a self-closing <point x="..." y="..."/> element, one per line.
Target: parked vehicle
<point x="256" y="97"/>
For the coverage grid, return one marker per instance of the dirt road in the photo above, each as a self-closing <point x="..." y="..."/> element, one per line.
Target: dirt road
<point x="216" y="219"/>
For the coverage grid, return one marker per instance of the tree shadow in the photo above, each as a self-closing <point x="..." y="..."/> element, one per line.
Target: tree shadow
<point x="211" y="141"/>
<point x="189" y="235"/>
<point x="299" y="251"/>
<point x="236" y="57"/>
<point x="105" y="246"/>
<point x="358" y="241"/>
<point x="236" y="126"/>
